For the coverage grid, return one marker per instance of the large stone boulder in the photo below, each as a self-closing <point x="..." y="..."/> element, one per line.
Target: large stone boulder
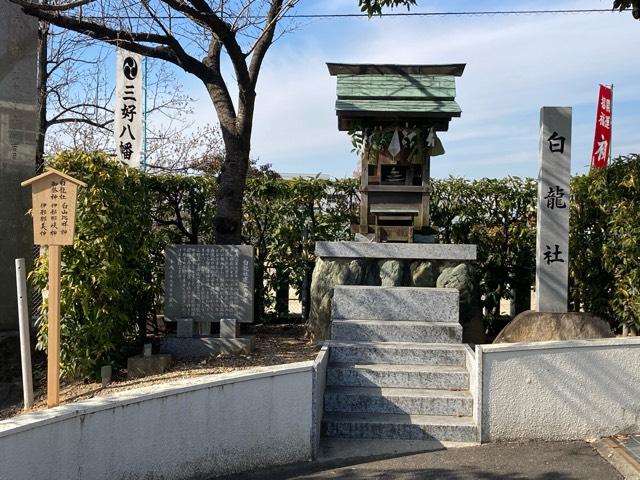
<point x="423" y="273"/>
<point x="531" y="326"/>
<point x="391" y="273"/>
<point x="330" y="272"/>
<point x="326" y="275"/>
<point x="461" y="276"/>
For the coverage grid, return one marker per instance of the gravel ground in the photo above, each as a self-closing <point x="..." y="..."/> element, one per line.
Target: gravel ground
<point x="275" y="344"/>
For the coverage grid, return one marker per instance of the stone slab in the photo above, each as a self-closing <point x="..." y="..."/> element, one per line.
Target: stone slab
<point x="395" y="303"/>
<point x="412" y="401"/>
<point x="229" y="328"/>
<point x="404" y="427"/>
<point x="334" y="449"/>
<point x="398" y="251"/>
<point x="185" y="327"/>
<point x="398" y="376"/>
<point x="209" y="282"/>
<point x="383" y="331"/>
<point x="397" y="353"/>
<point x="202" y="347"/>
<point x="552" y="240"/>
<point x="141" y="366"/>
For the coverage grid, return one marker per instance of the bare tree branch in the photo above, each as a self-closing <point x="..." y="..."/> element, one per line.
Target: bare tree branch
<point x="55" y="8"/>
<point x="173" y="31"/>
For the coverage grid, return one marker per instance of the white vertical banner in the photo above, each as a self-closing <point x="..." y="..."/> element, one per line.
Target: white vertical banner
<point x="552" y="243"/>
<point x="128" y="115"/>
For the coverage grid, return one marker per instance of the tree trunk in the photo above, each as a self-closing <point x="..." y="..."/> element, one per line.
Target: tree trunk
<point x="282" y="295"/>
<point x="231" y="185"/>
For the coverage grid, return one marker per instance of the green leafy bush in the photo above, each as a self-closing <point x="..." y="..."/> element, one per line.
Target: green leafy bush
<point x="107" y="278"/>
<point x="283" y="220"/>
<point x="112" y="276"/>
<point x="604" y="248"/>
<point x="500" y="217"/>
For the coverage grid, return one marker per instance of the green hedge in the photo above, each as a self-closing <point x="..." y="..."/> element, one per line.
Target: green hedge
<point x="605" y="242"/>
<point x="500" y="217"/>
<point x="107" y="278"/>
<point x="112" y="276"/>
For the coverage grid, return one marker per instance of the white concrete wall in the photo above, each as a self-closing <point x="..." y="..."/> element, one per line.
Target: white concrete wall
<point x="200" y="426"/>
<point x="319" y="385"/>
<point x="474" y="383"/>
<point x="560" y="390"/>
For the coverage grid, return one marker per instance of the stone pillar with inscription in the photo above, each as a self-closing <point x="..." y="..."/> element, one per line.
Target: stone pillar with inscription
<point x="552" y="242"/>
<point x="18" y="123"/>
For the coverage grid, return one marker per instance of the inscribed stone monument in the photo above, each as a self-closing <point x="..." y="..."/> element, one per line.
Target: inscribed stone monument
<point x="552" y="242"/>
<point x="208" y="283"/>
<point x="18" y="122"/>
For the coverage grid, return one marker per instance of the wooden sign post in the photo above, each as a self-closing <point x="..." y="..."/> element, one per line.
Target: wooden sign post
<point x="53" y="194"/>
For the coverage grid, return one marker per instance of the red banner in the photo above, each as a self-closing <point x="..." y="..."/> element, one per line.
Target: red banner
<point x="602" y="141"/>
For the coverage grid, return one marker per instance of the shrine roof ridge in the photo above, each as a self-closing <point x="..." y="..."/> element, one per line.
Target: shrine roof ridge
<point x="455" y="69"/>
<point x="52" y="171"/>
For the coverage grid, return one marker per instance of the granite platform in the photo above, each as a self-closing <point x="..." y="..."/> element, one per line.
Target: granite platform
<point x="202" y="347"/>
<point x="395" y="304"/>
<point x="397" y="251"/>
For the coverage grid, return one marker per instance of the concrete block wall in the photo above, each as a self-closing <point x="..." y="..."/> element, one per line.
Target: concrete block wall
<point x="205" y="426"/>
<point x="562" y="390"/>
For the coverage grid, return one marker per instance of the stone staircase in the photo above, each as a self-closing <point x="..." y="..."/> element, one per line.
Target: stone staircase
<point x="397" y="366"/>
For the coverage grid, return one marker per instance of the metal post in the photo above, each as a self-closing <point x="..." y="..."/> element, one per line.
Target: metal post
<point x="611" y="126"/>
<point x="25" y="333"/>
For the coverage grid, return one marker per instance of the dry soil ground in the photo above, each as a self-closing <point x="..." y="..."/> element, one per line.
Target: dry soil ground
<point x="275" y="344"/>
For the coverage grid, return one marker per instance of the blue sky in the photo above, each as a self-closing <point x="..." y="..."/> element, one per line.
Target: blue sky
<point x="515" y="65"/>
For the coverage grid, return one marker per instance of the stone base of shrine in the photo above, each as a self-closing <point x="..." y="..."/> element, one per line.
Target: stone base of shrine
<point x="202" y="347"/>
<point x="141" y="366"/>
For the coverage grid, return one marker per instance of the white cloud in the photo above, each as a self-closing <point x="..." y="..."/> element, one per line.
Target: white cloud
<point x="515" y="65"/>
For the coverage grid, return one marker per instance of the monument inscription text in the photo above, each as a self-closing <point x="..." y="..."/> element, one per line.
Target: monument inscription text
<point x="208" y="283"/>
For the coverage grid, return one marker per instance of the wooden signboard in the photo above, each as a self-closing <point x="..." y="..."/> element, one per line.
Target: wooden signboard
<point x="53" y="196"/>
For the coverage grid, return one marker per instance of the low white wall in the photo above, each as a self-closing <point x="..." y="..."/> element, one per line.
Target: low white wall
<point x="319" y="385"/>
<point x="474" y="384"/>
<point x="200" y="426"/>
<point x="561" y="390"/>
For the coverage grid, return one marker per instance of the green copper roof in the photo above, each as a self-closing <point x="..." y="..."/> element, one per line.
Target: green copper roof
<point x="391" y="93"/>
<point x="435" y="108"/>
<point x="397" y="86"/>
<point x="456" y="69"/>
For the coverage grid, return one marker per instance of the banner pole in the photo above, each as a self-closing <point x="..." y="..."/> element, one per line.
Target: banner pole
<point x="611" y="124"/>
<point x="144" y="123"/>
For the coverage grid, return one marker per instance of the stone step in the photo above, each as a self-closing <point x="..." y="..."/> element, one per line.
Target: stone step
<point x="395" y="304"/>
<point x="399" y="331"/>
<point x="399" y="427"/>
<point x="398" y="376"/>
<point x="413" y="401"/>
<point x="397" y="353"/>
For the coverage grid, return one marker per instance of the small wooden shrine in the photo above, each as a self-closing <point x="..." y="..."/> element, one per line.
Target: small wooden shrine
<point x="393" y="114"/>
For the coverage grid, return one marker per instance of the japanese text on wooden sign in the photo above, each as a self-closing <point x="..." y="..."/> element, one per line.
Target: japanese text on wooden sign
<point x="53" y="208"/>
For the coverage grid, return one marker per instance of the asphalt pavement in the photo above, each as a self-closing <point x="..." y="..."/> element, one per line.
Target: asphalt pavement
<point x="500" y="461"/>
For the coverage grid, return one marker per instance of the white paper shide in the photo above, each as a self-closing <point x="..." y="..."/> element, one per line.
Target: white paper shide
<point x="128" y="121"/>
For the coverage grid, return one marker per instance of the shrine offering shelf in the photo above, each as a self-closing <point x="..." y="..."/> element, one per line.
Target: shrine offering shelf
<point x="394" y="188"/>
<point x="390" y="208"/>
